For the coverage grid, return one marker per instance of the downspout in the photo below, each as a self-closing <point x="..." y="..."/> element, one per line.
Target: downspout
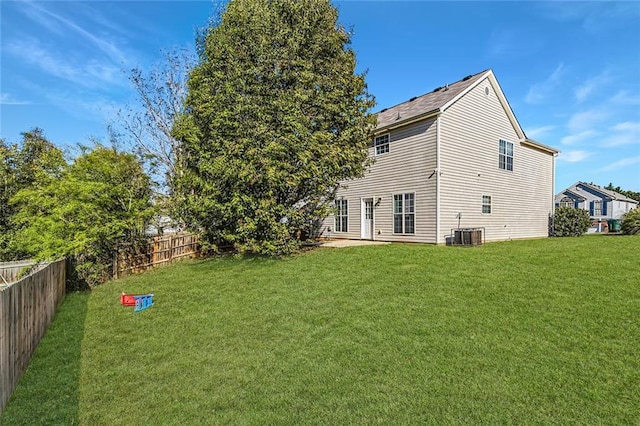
<point x="553" y="191"/>
<point x="438" y="179"/>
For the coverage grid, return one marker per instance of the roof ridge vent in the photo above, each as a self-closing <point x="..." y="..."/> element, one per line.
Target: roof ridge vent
<point x="413" y="99"/>
<point x="437" y="89"/>
<point x="384" y="109"/>
<point x="467" y="78"/>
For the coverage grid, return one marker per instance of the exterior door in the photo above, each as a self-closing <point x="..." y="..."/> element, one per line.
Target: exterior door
<point x="366" y="232"/>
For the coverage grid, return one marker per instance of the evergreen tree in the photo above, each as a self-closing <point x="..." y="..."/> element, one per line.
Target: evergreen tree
<point x="275" y="117"/>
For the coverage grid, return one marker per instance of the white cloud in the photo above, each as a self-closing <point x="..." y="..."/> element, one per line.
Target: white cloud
<point x="538" y="132"/>
<point x="583" y="91"/>
<point x="90" y="74"/>
<point x="573" y="156"/>
<point x="578" y="137"/>
<point x="623" y="97"/>
<point x="46" y="17"/>
<point x="627" y="126"/>
<point x="625" y="133"/>
<point x="631" y="161"/>
<point x="539" y="92"/>
<point x="587" y="120"/>
<point x="8" y="99"/>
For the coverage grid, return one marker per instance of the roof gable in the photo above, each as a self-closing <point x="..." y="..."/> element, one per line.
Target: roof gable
<point x="579" y="189"/>
<point x="442" y="98"/>
<point x="607" y="193"/>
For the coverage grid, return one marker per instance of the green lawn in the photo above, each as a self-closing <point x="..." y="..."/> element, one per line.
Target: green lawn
<point x="522" y="332"/>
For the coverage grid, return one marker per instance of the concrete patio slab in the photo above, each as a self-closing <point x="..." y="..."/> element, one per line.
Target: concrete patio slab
<point x="351" y="243"/>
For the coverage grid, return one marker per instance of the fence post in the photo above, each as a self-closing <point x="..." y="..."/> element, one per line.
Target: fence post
<point x="115" y="262"/>
<point x="171" y="249"/>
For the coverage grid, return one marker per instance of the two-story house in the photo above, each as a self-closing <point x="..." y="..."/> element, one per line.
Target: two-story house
<point x="453" y="158"/>
<point x="602" y="204"/>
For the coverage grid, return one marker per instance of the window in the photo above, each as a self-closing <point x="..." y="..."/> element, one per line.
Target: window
<point x="597" y="208"/>
<point x="382" y="144"/>
<point x="567" y="202"/>
<point x="341" y="218"/>
<point x="404" y="217"/>
<point x="506" y="155"/>
<point x="486" y="204"/>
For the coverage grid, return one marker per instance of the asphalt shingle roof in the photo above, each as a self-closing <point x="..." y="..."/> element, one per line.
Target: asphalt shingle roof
<point x="425" y="103"/>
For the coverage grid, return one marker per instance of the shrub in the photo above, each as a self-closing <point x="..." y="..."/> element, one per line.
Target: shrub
<point x="631" y="222"/>
<point x="570" y="222"/>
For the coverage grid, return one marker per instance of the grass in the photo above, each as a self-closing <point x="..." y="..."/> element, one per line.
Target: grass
<point x="526" y="332"/>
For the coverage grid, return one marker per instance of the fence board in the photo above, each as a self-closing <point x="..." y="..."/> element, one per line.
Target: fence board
<point x="27" y="308"/>
<point x="10" y="271"/>
<point x="162" y="250"/>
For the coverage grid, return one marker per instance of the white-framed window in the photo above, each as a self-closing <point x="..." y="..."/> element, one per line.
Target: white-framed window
<point x="486" y="204"/>
<point x="404" y="217"/>
<point x="505" y="159"/>
<point x="382" y="144"/>
<point x="597" y="208"/>
<point x="341" y="218"/>
<point x="567" y="202"/>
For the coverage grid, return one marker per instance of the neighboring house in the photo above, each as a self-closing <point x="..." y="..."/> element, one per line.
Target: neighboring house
<point x="453" y="158"/>
<point x="602" y="204"/>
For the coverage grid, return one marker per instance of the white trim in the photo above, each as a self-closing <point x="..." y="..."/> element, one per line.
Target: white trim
<point x="363" y="214"/>
<point x="429" y="114"/>
<point x="335" y="217"/>
<point x="482" y="204"/>
<point x="438" y="179"/>
<point x="465" y="91"/>
<point x="393" y="213"/>
<point x="375" y="147"/>
<point x="513" y="155"/>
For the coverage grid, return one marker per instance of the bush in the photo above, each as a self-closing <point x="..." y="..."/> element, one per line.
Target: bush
<point x="570" y="222"/>
<point x="631" y="222"/>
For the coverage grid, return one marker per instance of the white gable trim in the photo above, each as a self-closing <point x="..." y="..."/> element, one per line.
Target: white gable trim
<point x="503" y="100"/>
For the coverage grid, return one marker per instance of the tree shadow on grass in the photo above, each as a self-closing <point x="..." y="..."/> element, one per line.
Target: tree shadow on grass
<point x="49" y="390"/>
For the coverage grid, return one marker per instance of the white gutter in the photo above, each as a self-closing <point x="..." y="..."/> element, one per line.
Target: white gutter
<point x="406" y="122"/>
<point x="553" y="189"/>
<point x="438" y="179"/>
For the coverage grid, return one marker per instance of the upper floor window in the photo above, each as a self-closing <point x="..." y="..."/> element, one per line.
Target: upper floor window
<point x="382" y="144"/>
<point x="341" y="218"/>
<point x="567" y="202"/>
<point x="506" y="155"/>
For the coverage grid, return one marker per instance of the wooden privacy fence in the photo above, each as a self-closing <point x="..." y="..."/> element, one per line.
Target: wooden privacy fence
<point x="27" y="308"/>
<point x="161" y="250"/>
<point x="10" y="271"/>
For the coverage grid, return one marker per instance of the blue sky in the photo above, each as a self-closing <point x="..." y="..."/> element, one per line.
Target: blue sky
<point x="570" y="70"/>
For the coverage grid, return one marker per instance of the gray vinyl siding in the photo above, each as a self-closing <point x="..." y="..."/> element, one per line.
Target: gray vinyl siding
<point x="619" y="208"/>
<point x="406" y="168"/>
<point x="521" y="200"/>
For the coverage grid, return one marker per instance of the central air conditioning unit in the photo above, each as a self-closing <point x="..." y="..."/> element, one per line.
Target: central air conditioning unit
<point x="467" y="236"/>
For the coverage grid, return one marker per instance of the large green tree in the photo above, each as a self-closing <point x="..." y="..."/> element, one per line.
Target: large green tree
<point x="33" y="163"/>
<point x="276" y="117"/>
<point x="100" y="201"/>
